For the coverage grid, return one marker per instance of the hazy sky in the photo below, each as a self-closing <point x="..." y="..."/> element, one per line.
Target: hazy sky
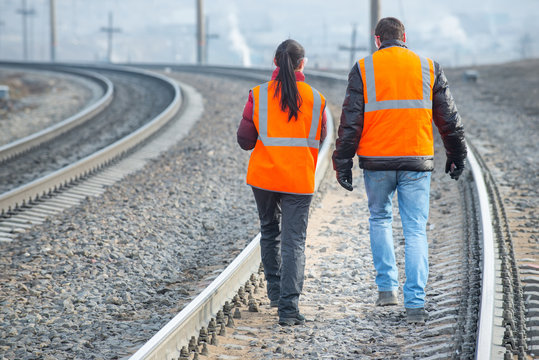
<point x="457" y="32"/>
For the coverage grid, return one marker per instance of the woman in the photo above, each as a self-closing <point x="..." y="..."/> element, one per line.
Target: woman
<point x="284" y="122"/>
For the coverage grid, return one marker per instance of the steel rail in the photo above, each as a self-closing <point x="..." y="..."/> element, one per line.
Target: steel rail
<point x="28" y="193"/>
<point x="168" y="342"/>
<point x="486" y="317"/>
<point x="32" y="141"/>
<point x="509" y="319"/>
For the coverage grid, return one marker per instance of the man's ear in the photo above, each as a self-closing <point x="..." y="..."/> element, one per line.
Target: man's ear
<point x="377" y="41"/>
<point x="404" y="37"/>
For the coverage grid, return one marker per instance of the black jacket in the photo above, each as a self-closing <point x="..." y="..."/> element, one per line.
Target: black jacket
<point x="444" y="113"/>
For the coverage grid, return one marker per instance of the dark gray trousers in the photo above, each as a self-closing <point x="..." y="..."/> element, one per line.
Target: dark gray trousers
<point x="283" y="258"/>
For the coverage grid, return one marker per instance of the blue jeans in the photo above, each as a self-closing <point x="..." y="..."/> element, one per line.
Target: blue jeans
<point x="283" y="257"/>
<point x="413" y="195"/>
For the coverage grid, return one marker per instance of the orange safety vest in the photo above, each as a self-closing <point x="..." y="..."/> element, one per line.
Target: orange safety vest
<point x="397" y="88"/>
<point x="285" y="155"/>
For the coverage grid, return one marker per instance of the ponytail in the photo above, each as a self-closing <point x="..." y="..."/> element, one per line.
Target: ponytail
<point x="288" y="57"/>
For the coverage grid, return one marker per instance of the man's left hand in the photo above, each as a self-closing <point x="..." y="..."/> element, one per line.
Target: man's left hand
<point x="454" y="168"/>
<point x="345" y="179"/>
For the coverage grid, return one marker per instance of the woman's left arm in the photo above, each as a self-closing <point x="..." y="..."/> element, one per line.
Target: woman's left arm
<point x="247" y="134"/>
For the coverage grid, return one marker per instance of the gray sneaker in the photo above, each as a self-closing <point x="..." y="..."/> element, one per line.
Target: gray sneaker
<point x="387" y="298"/>
<point x="416" y="315"/>
<point x="291" y="321"/>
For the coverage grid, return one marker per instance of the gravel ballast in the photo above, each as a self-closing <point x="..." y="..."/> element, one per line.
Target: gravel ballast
<point x="501" y="117"/>
<point x="98" y="281"/>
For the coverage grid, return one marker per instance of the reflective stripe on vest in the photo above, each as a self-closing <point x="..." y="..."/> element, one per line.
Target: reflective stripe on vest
<point x="374" y="105"/>
<point x="276" y="141"/>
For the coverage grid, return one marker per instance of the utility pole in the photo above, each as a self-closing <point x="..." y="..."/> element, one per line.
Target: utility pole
<point x="375" y="16"/>
<point x="110" y="30"/>
<point x="201" y="38"/>
<point x="352" y="48"/>
<point x="53" y="30"/>
<point x="25" y="13"/>
<point x="208" y="38"/>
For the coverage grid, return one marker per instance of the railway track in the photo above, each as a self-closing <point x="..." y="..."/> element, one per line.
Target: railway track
<point x="468" y="333"/>
<point x="509" y="300"/>
<point x="82" y="144"/>
<point x="478" y="318"/>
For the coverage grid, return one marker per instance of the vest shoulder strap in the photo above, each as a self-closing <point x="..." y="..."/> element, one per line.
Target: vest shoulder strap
<point x="310" y="141"/>
<point x="372" y="104"/>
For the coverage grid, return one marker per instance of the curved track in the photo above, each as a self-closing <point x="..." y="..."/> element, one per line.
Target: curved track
<point x="30" y="142"/>
<point x="143" y="103"/>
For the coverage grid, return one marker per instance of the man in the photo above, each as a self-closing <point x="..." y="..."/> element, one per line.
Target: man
<point x="391" y="100"/>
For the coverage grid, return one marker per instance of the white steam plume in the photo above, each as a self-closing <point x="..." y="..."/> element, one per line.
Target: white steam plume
<point x="238" y="41"/>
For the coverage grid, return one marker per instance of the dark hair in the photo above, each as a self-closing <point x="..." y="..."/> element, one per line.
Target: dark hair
<point x="288" y="57"/>
<point x="389" y="28"/>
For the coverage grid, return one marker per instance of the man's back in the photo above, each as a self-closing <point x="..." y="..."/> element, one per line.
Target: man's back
<point x="397" y="87"/>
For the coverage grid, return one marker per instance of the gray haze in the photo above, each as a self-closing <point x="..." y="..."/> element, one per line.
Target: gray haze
<point x="455" y="33"/>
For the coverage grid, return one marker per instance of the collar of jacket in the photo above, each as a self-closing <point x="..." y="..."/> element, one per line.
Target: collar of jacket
<point x="391" y="43"/>
<point x="299" y="75"/>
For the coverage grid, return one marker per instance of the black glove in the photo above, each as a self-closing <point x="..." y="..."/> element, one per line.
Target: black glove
<point x="454" y="168"/>
<point x="343" y="167"/>
<point x="345" y="179"/>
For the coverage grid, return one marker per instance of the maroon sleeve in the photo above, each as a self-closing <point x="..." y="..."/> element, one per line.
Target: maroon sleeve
<point x="247" y="134"/>
<point x="323" y="130"/>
